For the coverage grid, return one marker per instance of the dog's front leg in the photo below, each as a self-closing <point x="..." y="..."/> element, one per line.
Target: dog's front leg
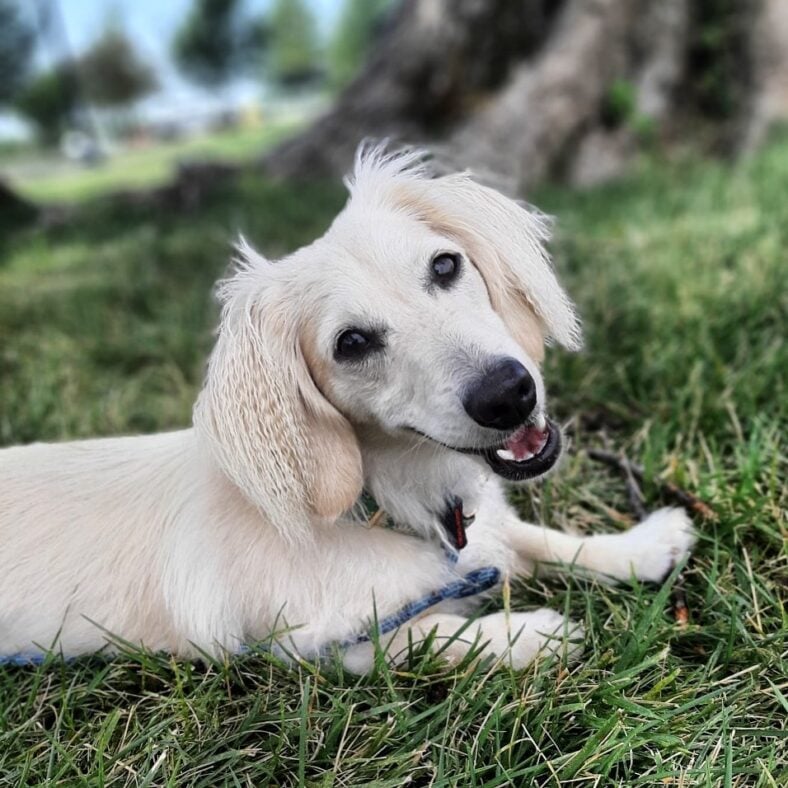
<point x="514" y="638"/>
<point x="647" y="551"/>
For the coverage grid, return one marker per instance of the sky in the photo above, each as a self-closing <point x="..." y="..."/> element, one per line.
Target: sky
<point x="151" y="24"/>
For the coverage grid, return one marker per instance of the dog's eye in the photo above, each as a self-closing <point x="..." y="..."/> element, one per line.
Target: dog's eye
<point x="445" y="268"/>
<point x="354" y="344"/>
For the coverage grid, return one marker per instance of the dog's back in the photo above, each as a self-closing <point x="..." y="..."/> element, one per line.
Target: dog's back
<point x="78" y="509"/>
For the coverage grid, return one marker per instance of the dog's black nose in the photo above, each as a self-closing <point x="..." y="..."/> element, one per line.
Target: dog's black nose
<point x="502" y="398"/>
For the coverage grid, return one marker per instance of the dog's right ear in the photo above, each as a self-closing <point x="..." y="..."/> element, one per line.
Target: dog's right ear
<point x="264" y="421"/>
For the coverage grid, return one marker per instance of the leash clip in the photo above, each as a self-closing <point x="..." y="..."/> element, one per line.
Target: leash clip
<point x="455" y="522"/>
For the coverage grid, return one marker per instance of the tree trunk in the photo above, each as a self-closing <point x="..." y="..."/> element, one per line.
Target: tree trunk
<point x="768" y="45"/>
<point x="434" y="64"/>
<point x="552" y="107"/>
<point x="571" y="88"/>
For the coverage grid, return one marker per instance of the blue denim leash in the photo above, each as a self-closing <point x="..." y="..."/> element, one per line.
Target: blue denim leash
<point x="476" y="582"/>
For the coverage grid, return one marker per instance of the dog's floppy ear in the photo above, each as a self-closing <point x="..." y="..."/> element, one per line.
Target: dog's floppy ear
<point x="505" y="241"/>
<point x="270" y="429"/>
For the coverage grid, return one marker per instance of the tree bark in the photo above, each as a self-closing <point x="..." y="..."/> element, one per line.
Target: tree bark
<point x="536" y="89"/>
<point x="768" y="43"/>
<point x="549" y="99"/>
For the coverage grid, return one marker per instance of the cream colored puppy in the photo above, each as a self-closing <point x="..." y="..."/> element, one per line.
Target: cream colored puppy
<point x="396" y="359"/>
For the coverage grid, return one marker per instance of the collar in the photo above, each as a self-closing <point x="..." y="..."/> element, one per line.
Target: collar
<point x="454" y="521"/>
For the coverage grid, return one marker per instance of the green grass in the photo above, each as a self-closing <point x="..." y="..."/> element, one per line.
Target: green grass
<point x="681" y="276"/>
<point x="145" y="166"/>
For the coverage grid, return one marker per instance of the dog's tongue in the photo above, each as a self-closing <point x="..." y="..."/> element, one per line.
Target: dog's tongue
<point x="527" y="442"/>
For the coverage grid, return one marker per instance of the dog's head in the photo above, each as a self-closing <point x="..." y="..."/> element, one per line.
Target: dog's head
<point x="422" y="311"/>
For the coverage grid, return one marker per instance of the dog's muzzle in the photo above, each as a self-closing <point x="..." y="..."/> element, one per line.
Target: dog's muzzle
<point x="504" y="399"/>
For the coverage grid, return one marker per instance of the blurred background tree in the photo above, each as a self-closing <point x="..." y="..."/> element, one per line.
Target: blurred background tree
<point x="216" y="41"/>
<point x="113" y="73"/>
<point x="16" y="54"/>
<point x="49" y="101"/>
<point x="109" y="74"/>
<point x="294" y="57"/>
<point x="206" y="46"/>
<point x="16" y="49"/>
<point x="360" y="22"/>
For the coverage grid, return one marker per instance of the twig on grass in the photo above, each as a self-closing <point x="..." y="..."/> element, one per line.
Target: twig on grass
<point x="634" y="474"/>
<point x="687" y="499"/>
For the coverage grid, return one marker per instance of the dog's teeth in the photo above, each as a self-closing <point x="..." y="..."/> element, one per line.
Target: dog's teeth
<point x="505" y="454"/>
<point x="526" y="456"/>
<point x="541" y="422"/>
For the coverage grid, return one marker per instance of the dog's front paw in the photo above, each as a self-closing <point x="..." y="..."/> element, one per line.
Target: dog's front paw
<point x="650" y="550"/>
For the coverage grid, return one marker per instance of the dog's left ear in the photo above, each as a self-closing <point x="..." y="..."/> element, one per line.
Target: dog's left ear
<point x="265" y="423"/>
<point x="506" y="242"/>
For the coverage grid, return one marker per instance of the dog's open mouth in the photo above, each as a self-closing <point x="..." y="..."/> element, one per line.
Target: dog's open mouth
<point x="526" y="453"/>
<point x="529" y="451"/>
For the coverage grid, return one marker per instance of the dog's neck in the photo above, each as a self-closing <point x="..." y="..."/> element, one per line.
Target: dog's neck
<point x="414" y="479"/>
